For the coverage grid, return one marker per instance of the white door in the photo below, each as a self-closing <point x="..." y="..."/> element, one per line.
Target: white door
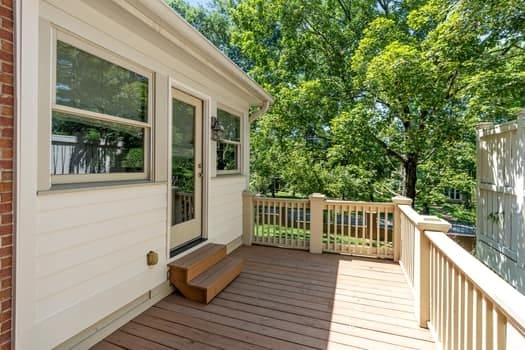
<point x="186" y="169"/>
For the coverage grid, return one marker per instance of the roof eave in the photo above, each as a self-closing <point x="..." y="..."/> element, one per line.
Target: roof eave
<point x="215" y="58"/>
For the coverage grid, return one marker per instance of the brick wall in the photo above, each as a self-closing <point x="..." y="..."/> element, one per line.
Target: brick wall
<point x="6" y="170"/>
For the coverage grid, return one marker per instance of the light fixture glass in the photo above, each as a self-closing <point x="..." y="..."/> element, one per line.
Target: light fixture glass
<point x="217" y="130"/>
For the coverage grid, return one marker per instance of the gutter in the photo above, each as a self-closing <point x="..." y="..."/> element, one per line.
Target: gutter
<point x="264" y="108"/>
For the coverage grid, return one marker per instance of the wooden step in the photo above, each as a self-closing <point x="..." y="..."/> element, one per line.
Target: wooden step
<point x="211" y="282"/>
<point x="192" y="265"/>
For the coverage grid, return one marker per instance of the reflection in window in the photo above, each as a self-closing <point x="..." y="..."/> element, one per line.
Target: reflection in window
<point x="183" y="162"/>
<point x="81" y="146"/>
<point x="228" y="148"/>
<point x="90" y="83"/>
<point x="114" y="140"/>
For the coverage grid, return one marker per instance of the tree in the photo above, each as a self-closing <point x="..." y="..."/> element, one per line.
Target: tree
<point x="372" y="95"/>
<point x="426" y="80"/>
<point x="214" y="22"/>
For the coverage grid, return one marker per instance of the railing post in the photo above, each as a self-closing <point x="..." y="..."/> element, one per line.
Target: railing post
<point x="317" y="204"/>
<point x="247" y="217"/>
<point x="398" y="200"/>
<point x="422" y="265"/>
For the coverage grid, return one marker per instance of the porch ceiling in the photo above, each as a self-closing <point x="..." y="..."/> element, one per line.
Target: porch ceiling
<point x="287" y="299"/>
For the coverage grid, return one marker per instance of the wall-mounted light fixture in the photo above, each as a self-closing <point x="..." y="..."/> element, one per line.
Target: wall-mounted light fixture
<point x="217" y="130"/>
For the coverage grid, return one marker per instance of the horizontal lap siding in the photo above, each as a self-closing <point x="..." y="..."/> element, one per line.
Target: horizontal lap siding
<point x="225" y="208"/>
<point x="93" y="243"/>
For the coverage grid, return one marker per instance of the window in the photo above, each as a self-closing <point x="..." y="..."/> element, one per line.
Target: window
<point x="101" y="125"/>
<point x="229" y="146"/>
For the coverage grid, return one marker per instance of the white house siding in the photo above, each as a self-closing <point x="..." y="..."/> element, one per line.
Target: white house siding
<point x="86" y="256"/>
<point x="225" y="208"/>
<point x="91" y="251"/>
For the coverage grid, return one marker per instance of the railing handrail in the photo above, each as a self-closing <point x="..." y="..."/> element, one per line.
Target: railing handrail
<point x="280" y="200"/>
<point x="502" y="294"/>
<point x="372" y="204"/>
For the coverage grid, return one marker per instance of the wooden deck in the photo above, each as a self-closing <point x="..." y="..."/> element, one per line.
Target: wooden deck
<point x="287" y="299"/>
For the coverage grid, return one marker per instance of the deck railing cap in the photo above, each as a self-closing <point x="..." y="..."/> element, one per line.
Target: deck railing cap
<point x="433" y="223"/>
<point x="317" y="196"/>
<point x="401" y="200"/>
<point x="248" y="194"/>
<point x="484" y="125"/>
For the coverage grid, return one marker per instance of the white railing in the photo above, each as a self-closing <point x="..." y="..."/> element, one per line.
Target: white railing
<point x="465" y="305"/>
<point x="281" y="222"/>
<point x="321" y="225"/>
<point x="358" y="228"/>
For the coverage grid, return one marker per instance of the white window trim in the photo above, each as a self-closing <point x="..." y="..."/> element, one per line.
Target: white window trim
<point x="240" y="152"/>
<point x="91" y="48"/>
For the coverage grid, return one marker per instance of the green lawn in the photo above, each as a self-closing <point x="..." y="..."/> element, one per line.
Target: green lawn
<point x="288" y="233"/>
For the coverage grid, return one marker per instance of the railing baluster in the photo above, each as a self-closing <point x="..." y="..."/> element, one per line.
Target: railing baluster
<point x="257" y="214"/>
<point x="328" y="216"/>
<point x="286" y="228"/>
<point x="303" y="238"/>
<point x="336" y="233"/>
<point x="342" y="228"/>
<point x="364" y="225"/>
<point x="266" y="221"/>
<point x="280" y="222"/>
<point x="293" y="224"/>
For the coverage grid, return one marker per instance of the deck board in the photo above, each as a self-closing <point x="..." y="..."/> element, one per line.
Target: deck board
<point x="286" y="299"/>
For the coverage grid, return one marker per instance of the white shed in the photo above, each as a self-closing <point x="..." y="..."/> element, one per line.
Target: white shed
<point x="501" y="194"/>
<point x="134" y="139"/>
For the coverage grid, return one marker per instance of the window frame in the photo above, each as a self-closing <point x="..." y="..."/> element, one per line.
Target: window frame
<point x="239" y="144"/>
<point x="107" y="55"/>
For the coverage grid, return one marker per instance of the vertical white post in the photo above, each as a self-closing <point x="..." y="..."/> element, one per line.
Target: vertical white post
<point x="317" y="204"/>
<point x="247" y="218"/>
<point x="398" y="200"/>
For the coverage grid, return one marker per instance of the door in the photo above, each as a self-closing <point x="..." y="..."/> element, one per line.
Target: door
<point x="186" y="169"/>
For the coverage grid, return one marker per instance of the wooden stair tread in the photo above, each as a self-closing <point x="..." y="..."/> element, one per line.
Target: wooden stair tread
<point x="195" y="257"/>
<point x="192" y="265"/>
<point x="217" y="272"/>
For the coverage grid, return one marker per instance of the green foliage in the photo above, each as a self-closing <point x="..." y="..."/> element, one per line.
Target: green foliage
<point x="134" y="159"/>
<point x="378" y="97"/>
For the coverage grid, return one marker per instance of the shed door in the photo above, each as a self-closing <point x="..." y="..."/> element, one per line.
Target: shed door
<point x="186" y="169"/>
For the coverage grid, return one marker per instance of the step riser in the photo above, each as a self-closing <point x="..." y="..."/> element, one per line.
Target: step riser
<point x="206" y="295"/>
<point x="204" y="273"/>
<point x="192" y="293"/>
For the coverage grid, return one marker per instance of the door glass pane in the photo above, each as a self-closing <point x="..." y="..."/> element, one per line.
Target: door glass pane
<point x="88" y="82"/>
<point x="183" y="162"/>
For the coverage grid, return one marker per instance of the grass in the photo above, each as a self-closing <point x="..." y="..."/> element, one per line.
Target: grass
<point x="288" y="233"/>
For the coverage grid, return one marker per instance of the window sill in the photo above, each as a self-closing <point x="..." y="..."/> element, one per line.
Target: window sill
<point x="97" y="186"/>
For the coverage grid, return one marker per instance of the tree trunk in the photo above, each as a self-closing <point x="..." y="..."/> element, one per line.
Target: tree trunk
<point x="411" y="177"/>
